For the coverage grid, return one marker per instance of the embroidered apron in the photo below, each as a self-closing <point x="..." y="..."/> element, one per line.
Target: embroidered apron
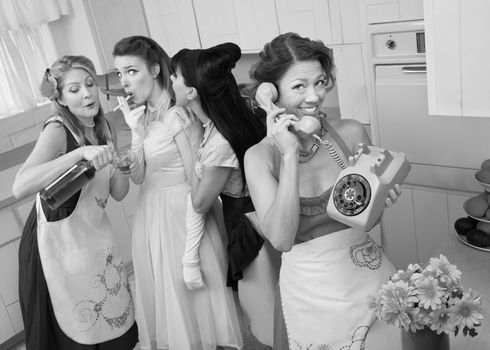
<point x="86" y="277"/>
<point x="325" y="283"/>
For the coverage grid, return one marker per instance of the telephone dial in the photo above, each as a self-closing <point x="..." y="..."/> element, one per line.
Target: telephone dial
<point x="361" y="188"/>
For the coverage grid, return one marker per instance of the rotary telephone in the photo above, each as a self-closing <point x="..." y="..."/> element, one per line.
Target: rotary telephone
<point x="358" y="196"/>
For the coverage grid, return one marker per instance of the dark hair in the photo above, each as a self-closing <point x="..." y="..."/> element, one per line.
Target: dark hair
<point x="285" y="50"/>
<point x="152" y="53"/>
<point x="209" y="72"/>
<point x="52" y="86"/>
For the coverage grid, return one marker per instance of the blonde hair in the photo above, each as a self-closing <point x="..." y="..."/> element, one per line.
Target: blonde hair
<point x="52" y="86"/>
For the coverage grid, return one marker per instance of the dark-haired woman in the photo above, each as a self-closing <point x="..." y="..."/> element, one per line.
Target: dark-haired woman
<point x="171" y="316"/>
<point x="73" y="289"/>
<point x="204" y="83"/>
<point x="328" y="269"/>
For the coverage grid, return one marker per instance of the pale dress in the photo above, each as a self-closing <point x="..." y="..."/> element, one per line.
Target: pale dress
<point x="170" y="316"/>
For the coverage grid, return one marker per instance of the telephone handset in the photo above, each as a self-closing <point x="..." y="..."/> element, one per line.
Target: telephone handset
<point x="266" y="95"/>
<point x="359" y="194"/>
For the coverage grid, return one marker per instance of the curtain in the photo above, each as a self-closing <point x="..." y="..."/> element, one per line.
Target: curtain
<point x="16" y="14"/>
<point x="24" y="55"/>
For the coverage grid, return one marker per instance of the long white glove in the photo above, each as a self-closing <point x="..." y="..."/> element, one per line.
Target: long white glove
<point x="135" y="120"/>
<point x="195" y="224"/>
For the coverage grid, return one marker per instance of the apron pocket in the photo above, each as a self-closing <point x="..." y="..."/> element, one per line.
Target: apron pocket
<point x="76" y="262"/>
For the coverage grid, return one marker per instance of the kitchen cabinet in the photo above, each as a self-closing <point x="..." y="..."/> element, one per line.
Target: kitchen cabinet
<point x="421" y="219"/>
<point x="248" y="23"/>
<point x="172" y="24"/>
<point x="113" y="20"/>
<point x="381" y="11"/>
<point x="334" y="22"/>
<point x="457" y="58"/>
<point x="351" y="82"/>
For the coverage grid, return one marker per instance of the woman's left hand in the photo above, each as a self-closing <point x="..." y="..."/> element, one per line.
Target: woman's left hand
<point x="393" y="195"/>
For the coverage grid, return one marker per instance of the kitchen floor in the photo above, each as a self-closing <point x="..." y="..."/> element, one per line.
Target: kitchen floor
<point x="249" y="341"/>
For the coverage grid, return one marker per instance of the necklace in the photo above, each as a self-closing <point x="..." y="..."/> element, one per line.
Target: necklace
<point x="161" y="103"/>
<point x="305" y="156"/>
<point x="87" y="124"/>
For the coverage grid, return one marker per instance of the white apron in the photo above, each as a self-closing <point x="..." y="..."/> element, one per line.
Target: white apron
<point x="325" y="283"/>
<point x="86" y="277"/>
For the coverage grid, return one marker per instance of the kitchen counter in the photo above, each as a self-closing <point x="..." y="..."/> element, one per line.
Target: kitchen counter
<point x="474" y="265"/>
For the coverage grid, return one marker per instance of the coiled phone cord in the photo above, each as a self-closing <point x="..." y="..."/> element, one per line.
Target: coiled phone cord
<point x="333" y="152"/>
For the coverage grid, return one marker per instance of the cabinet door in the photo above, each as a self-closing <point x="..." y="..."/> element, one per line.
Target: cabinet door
<point x="248" y="23"/>
<point x="311" y="18"/>
<point x="380" y="11"/>
<point x="113" y="20"/>
<point x="172" y="24"/>
<point x="351" y="82"/>
<point x="350" y="21"/>
<point x="431" y="222"/>
<point x="457" y="59"/>
<point x="398" y="231"/>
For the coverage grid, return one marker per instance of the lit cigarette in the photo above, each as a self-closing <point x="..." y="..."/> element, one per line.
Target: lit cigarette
<point x="121" y="104"/>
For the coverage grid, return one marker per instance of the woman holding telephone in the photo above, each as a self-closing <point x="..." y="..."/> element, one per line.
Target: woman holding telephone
<point x="324" y="283"/>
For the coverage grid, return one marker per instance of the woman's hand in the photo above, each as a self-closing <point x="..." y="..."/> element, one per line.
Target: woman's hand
<point x="100" y="156"/>
<point x="278" y="128"/>
<point x="133" y="117"/>
<point x="393" y="195"/>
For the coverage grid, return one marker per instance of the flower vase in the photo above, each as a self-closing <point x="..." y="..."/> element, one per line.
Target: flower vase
<point x="425" y="339"/>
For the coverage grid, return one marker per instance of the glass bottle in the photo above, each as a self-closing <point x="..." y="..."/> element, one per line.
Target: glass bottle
<point x="67" y="184"/>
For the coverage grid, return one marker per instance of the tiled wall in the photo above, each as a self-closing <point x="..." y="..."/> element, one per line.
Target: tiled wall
<point x="17" y="133"/>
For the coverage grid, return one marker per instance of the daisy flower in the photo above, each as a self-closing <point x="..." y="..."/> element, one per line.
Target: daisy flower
<point x="396" y="314"/>
<point x="447" y="273"/>
<point x="429" y="293"/>
<point x="440" y="321"/>
<point x="399" y="292"/>
<point x="468" y="312"/>
<point x="402" y="275"/>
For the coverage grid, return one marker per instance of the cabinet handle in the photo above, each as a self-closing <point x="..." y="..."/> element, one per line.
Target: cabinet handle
<point x="414" y="69"/>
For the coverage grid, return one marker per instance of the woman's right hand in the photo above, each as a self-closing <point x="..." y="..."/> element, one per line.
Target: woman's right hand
<point x="100" y="156"/>
<point x="134" y="118"/>
<point x="278" y="128"/>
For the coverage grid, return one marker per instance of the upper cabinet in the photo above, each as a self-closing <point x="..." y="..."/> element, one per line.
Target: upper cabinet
<point x="381" y="11"/>
<point x="456" y="35"/>
<point x="172" y="24"/>
<point x="248" y="23"/>
<point x="335" y="22"/>
<point x="113" y="20"/>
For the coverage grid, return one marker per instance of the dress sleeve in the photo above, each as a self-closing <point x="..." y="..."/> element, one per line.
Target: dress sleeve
<point x="177" y="119"/>
<point x="220" y="153"/>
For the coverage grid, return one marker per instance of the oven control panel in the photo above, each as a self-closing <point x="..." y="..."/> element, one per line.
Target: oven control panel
<point x="398" y="40"/>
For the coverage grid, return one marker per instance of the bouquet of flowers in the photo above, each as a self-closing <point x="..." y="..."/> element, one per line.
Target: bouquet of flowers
<point x="432" y="298"/>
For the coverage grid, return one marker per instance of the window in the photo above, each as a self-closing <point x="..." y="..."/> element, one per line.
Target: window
<point x="24" y="56"/>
